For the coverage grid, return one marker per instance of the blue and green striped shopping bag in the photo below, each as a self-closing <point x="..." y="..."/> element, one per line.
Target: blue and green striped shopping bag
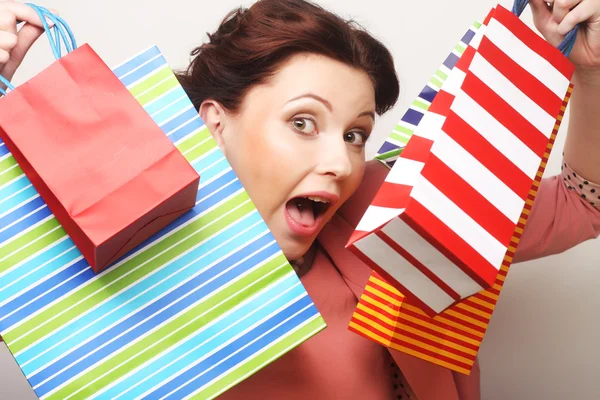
<point x="194" y="310"/>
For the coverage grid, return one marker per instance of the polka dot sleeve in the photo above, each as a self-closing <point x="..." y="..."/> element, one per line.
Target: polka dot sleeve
<point x="587" y="190"/>
<point x="402" y="390"/>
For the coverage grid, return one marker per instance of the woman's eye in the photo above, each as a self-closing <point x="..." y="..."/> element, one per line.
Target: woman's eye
<point x="355" y="138"/>
<point x="304" y="125"/>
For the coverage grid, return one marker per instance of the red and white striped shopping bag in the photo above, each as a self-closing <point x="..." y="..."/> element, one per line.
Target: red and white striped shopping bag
<point x="451" y="210"/>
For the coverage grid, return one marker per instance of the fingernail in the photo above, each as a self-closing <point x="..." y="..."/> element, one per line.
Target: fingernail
<point x="49" y="22"/>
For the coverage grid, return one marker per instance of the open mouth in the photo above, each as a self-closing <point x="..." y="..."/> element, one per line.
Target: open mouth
<point x="307" y="211"/>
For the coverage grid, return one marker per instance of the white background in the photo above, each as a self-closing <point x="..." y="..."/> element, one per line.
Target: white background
<point x="542" y="342"/>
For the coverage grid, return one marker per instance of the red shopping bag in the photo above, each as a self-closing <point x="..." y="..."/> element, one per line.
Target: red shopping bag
<point x="453" y="207"/>
<point x="101" y="164"/>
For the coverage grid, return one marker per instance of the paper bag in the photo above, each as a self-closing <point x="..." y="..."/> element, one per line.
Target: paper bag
<point x="99" y="162"/>
<point x="453" y="207"/>
<point x="452" y="338"/>
<point x="198" y="307"/>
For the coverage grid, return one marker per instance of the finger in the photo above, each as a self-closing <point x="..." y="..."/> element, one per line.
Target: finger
<point x="542" y="16"/>
<point x="4" y="56"/>
<point x="8" y="40"/>
<point x="25" y="39"/>
<point x="21" y="12"/>
<point x="560" y="8"/>
<point x="8" y="22"/>
<point x="579" y="14"/>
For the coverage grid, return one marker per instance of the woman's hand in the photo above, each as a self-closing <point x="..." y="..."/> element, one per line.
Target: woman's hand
<point x="554" y="19"/>
<point x="14" y="44"/>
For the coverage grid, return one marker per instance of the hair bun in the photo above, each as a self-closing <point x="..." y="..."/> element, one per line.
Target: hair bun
<point x="232" y="23"/>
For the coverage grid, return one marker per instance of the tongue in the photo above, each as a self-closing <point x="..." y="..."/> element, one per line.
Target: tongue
<point x="302" y="211"/>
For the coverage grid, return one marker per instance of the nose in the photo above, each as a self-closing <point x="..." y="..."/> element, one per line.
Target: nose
<point x="334" y="159"/>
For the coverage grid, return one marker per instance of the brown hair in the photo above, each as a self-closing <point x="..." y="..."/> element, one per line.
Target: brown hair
<point x="251" y="44"/>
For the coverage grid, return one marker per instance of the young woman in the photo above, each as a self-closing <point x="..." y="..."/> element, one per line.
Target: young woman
<point x="290" y="92"/>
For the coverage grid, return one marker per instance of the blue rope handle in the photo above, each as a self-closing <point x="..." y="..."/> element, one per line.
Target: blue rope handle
<point x="61" y="30"/>
<point x="60" y="34"/>
<point x="6" y="83"/>
<point x="59" y="24"/>
<point x="566" y="45"/>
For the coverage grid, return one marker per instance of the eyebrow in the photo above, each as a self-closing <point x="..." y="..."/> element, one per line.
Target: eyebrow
<point x="314" y="96"/>
<point x="368" y="114"/>
<point x="328" y="104"/>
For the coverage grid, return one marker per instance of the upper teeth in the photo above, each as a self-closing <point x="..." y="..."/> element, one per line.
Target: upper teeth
<point x="318" y="199"/>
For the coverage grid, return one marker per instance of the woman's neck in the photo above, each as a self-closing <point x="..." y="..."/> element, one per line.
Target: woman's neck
<point x="303" y="264"/>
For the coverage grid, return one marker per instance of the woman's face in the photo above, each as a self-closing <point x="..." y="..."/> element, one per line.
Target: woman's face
<point x="297" y="144"/>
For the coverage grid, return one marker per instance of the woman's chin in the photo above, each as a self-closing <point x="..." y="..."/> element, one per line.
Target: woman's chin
<point x="293" y="250"/>
<point x="293" y="254"/>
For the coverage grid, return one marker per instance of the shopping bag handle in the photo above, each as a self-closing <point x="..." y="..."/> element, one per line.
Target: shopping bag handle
<point x="60" y="34"/>
<point x="61" y="31"/>
<point x="566" y="45"/>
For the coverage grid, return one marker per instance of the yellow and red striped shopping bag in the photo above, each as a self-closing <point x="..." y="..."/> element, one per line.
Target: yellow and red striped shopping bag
<point x="451" y="211"/>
